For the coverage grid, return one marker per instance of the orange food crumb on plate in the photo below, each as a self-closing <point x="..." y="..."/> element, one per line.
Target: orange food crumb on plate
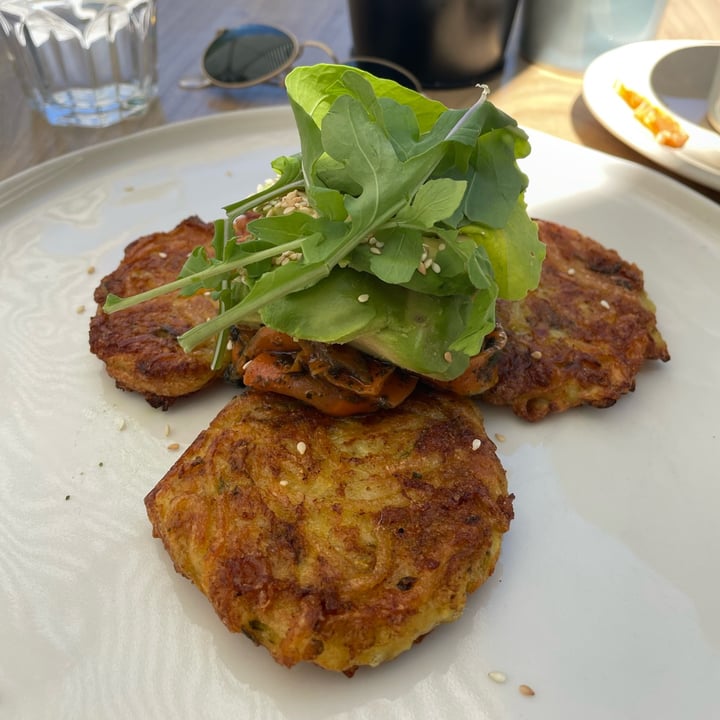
<point x="666" y="129"/>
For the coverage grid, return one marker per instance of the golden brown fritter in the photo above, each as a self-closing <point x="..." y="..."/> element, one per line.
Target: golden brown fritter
<point x="139" y="345"/>
<point x="582" y="336"/>
<point x="338" y="541"/>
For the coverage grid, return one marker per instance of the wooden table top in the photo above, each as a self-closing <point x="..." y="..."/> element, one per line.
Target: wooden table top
<point x="538" y="97"/>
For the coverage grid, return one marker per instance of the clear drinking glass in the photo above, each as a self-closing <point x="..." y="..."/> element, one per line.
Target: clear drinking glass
<point x="83" y="63"/>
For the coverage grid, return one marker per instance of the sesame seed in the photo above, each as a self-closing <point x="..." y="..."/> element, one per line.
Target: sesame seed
<point x="476" y="443"/>
<point x="571" y="271"/>
<point x="375" y="250"/>
<point x="80" y="309"/>
<point x="167" y="430"/>
<point x="500" y="437"/>
<point x="91" y="270"/>
<point x="422" y="269"/>
<point x="605" y="304"/>
<point x="283" y="483"/>
<point x="526" y="690"/>
<point x="497" y="676"/>
<point x="173" y="446"/>
<point x="301" y="447"/>
<point x="229" y="345"/>
<point x="163" y="255"/>
<point x="435" y="267"/>
<point x="535" y="354"/>
<point x="120" y="423"/>
<point x="448" y="357"/>
<point x="363" y="298"/>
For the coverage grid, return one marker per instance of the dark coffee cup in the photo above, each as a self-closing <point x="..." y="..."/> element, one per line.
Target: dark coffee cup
<point x="445" y="43"/>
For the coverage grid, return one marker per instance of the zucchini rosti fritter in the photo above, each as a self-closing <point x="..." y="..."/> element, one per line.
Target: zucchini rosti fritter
<point x="139" y="345"/>
<point x="581" y="337"/>
<point x="338" y="541"/>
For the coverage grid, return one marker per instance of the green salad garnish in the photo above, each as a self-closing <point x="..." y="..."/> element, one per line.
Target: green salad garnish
<point x="418" y="225"/>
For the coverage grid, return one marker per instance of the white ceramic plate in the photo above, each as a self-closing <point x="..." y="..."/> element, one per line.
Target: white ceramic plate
<point x="674" y="75"/>
<point x="606" y="597"/>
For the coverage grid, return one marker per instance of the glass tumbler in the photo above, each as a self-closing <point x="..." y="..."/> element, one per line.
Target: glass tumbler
<point x="83" y="63"/>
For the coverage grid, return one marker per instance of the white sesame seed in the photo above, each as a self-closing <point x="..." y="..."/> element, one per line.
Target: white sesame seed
<point x="91" y="270"/>
<point x="476" y="443"/>
<point x="301" y="447"/>
<point x="167" y="430"/>
<point x="571" y="271"/>
<point x="448" y="357"/>
<point x="535" y="354"/>
<point x="163" y="255"/>
<point x="428" y="262"/>
<point x="497" y="676"/>
<point x="363" y="298"/>
<point x="80" y="309"/>
<point x="283" y="483"/>
<point x="375" y="250"/>
<point x="229" y="345"/>
<point x="441" y="246"/>
<point x="605" y="304"/>
<point x="120" y="422"/>
<point x="500" y="437"/>
<point x="435" y="267"/>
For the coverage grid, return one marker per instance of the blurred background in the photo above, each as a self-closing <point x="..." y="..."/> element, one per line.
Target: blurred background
<point x="533" y="88"/>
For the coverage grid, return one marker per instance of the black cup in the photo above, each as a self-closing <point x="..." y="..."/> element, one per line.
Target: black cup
<point x="445" y="43"/>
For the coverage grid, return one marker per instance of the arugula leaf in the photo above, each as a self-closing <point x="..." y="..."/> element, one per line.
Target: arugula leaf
<point x="515" y="252"/>
<point x="397" y="256"/>
<point x="435" y="201"/>
<point x="314" y="89"/>
<point x="418" y="224"/>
